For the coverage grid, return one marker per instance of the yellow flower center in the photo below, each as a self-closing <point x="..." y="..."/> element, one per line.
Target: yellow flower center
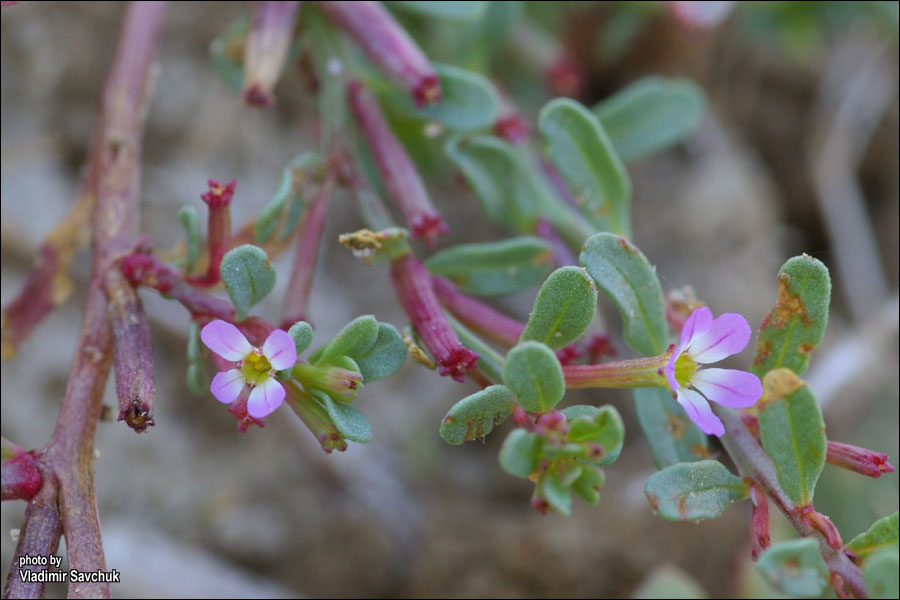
<point x="685" y="368"/>
<point x="256" y="368"/>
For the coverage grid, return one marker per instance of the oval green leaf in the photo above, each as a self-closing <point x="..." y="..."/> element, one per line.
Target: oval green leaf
<point x="495" y="268"/>
<point x="520" y="453"/>
<point x="248" y="277"/>
<point x="881" y="573"/>
<point x="302" y="334"/>
<point x="476" y="415"/>
<point x="792" y="432"/>
<point x="385" y="357"/>
<point x="599" y="431"/>
<point x="672" y="436"/>
<point x="352" y="424"/>
<point x="795" y="567"/>
<point x="534" y="374"/>
<point x="882" y="534"/>
<point x="588" y="484"/>
<point x="796" y="324"/>
<point x="625" y="275"/>
<point x="556" y="493"/>
<point x="191" y="223"/>
<point x="694" y="491"/>
<point x="563" y="309"/>
<point x="650" y="115"/>
<point x="581" y="150"/>
<point x="356" y="338"/>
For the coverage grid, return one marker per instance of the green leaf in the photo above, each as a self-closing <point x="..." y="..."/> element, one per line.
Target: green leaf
<point x="495" y="268"/>
<point x="669" y="581"/>
<point x="193" y="342"/>
<point x="672" y="436"/>
<point x="351" y="423"/>
<point x="191" y="223"/>
<point x="385" y="357"/>
<point x="796" y="324"/>
<point x="227" y="54"/>
<point x="302" y="334"/>
<point x="882" y="534"/>
<point x="556" y="493"/>
<point x="492" y="167"/>
<point x="468" y="100"/>
<point x="625" y="275"/>
<point x="599" y="431"/>
<point x="273" y="212"/>
<point x="563" y="309"/>
<point x="792" y="433"/>
<point x="881" y="573"/>
<point x="795" y="567"/>
<point x="476" y="415"/>
<point x="444" y="11"/>
<point x="197" y="379"/>
<point x="694" y="491"/>
<point x="650" y="115"/>
<point x="588" y="484"/>
<point x="581" y="150"/>
<point x="248" y="277"/>
<point x="356" y="338"/>
<point x="534" y="374"/>
<point x="520" y="453"/>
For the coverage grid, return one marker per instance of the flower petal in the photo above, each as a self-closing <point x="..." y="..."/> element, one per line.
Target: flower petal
<point x="696" y="323"/>
<point x="728" y="387"/>
<point x="670" y="371"/>
<point x="280" y="350"/>
<point x="226" y="386"/>
<point x="725" y="335"/>
<point x="697" y="408"/>
<point x="226" y="340"/>
<point x="265" y="398"/>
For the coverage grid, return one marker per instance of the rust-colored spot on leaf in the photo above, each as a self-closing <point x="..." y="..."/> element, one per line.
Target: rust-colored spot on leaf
<point x="700" y="451"/>
<point x="682" y="508"/>
<point x="654" y="502"/>
<point x="788" y="306"/>
<point x="676" y="426"/>
<point x="763" y="348"/>
<point x="778" y="384"/>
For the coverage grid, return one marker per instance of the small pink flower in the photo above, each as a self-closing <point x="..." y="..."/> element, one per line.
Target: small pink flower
<point x="255" y="367"/>
<point x="707" y="340"/>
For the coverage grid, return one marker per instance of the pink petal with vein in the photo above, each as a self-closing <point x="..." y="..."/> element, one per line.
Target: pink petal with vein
<point x="697" y="408"/>
<point x="728" y="387"/>
<point x="226" y="386"/>
<point x="265" y="398"/>
<point x="726" y="335"/>
<point x="699" y="321"/>
<point x="280" y="350"/>
<point x="226" y="340"/>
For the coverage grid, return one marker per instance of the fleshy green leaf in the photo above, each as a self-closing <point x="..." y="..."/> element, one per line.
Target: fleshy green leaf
<point x="882" y="534"/>
<point x="625" y="275"/>
<point x="520" y="453"/>
<point x="197" y="379"/>
<point x="193" y="342"/>
<point x="476" y="415"/>
<point x="792" y="432"/>
<point x="495" y="268"/>
<point x="588" y="484"/>
<point x="672" y="436"/>
<point x="227" y="54"/>
<point x="581" y="150"/>
<point x="796" y="324"/>
<point x="650" y="115"/>
<point x="694" y="491"/>
<point x="795" y="567"/>
<point x="534" y="374"/>
<point x="599" y="431"/>
<point x="351" y="423"/>
<point x="356" y="338"/>
<point x="302" y="334"/>
<point x="468" y="100"/>
<point x="273" y="212"/>
<point x="385" y="357"/>
<point x="248" y="277"/>
<point x="881" y="573"/>
<point x="556" y="493"/>
<point x="563" y="309"/>
<point x="448" y="10"/>
<point x="191" y="223"/>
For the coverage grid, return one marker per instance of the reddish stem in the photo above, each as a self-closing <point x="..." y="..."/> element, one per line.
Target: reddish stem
<point x="561" y="250"/>
<point x="401" y="178"/>
<point x="477" y="316"/>
<point x="759" y="521"/>
<point x="388" y="45"/>
<point x="412" y="283"/>
<point x="266" y="50"/>
<point x="862" y="460"/>
<point x="218" y="229"/>
<point x="296" y="298"/>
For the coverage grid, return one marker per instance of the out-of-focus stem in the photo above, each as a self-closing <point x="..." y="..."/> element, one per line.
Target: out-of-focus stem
<point x="401" y="178"/>
<point x="481" y="318"/>
<point x="561" y="250"/>
<point x="266" y="49"/>
<point x="39" y="537"/>
<point x="369" y="205"/>
<point x="759" y="521"/>
<point x="218" y="229"/>
<point x="132" y="353"/>
<point x="755" y="464"/>
<point x="296" y="299"/>
<point x="388" y="45"/>
<point x="563" y="75"/>
<point x="414" y="289"/>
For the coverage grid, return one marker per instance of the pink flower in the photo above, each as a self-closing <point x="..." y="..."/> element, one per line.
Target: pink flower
<point x="707" y="340"/>
<point x="255" y="367"/>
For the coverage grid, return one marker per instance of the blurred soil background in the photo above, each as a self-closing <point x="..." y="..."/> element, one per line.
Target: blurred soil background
<point x="798" y="153"/>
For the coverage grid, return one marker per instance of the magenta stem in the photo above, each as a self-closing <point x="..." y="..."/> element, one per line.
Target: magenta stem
<point x="477" y="316"/>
